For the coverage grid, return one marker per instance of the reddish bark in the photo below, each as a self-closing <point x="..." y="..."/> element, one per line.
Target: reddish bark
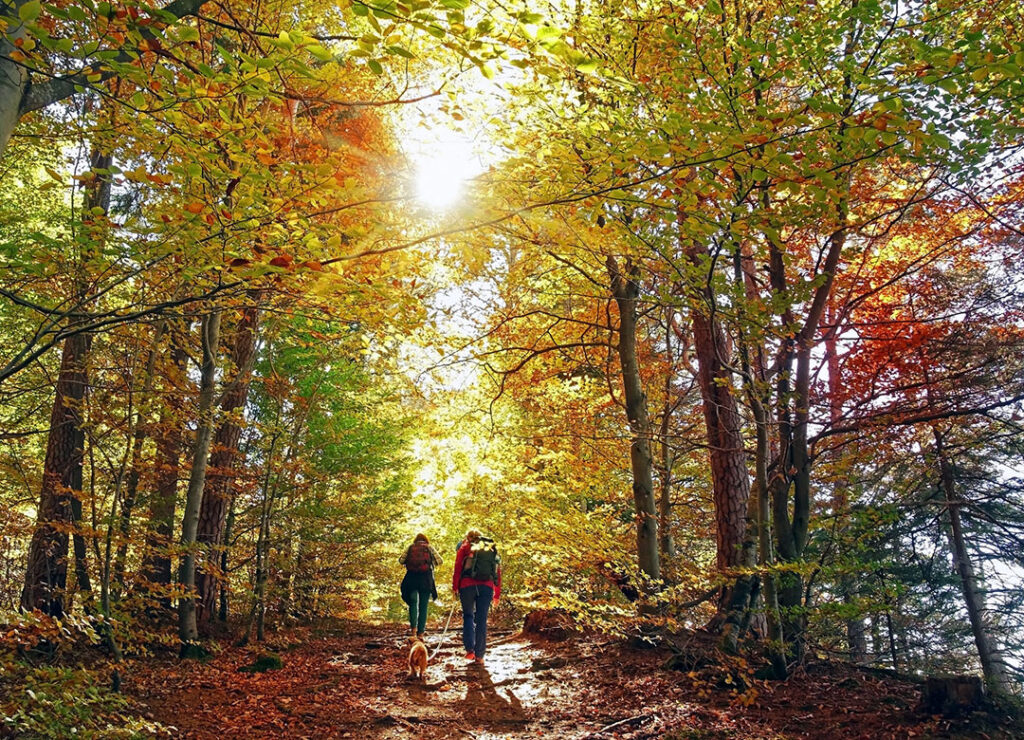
<point x="221" y="472"/>
<point x="47" y="568"/>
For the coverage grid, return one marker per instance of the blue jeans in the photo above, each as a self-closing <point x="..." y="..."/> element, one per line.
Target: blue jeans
<point x="476" y="602"/>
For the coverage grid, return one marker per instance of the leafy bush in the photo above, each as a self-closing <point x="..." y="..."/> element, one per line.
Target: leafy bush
<point x="59" y="702"/>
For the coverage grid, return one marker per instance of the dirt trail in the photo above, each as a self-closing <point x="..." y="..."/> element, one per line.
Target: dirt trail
<point x="352" y="683"/>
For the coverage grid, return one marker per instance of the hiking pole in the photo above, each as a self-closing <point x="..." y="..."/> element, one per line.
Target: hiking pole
<point x="443" y="634"/>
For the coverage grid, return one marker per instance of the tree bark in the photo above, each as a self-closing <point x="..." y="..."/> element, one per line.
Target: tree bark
<point x="625" y="290"/>
<point x="13" y="76"/>
<point x="46" y="570"/>
<point x="157" y="564"/>
<point x="991" y="663"/>
<point x="135" y="470"/>
<point x="60" y="495"/>
<point x="723" y="425"/>
<point x="221" y="472"/>
<point x="666" y="543"/>
<point x="187" y="629"/>
<point x="229" y="528"/>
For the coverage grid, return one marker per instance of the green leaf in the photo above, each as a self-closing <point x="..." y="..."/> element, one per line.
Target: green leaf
<point x="30" y="11"/>
<point x="374" y="65"/>
<point x="319" y="52"/>
<point x="400" y="51"/>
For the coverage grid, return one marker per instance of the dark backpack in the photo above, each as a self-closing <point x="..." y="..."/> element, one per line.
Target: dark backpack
<point x="481" y="563"/>
<point x="418" y="559"/>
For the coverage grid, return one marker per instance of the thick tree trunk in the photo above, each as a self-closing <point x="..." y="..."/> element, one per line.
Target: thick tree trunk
<point x="729" y="475"/>
<point x="60" y="495"/>
<point x="13" y="76"/>
<point x="46" y="571"/>
<point x="626" y="291"/>
<point x="221" y="471"/>
<point x="723" y="425"/>
<point x="187" y="629"/>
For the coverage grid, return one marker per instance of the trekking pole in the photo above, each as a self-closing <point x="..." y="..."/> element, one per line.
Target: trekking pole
<point x="443" y="634"/>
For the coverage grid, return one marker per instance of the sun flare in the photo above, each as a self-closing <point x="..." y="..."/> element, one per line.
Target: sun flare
<point x="443" y="169"/>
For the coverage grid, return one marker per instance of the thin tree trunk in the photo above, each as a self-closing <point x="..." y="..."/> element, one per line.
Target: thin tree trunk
<point x="229" y="527"/>
<point x="187" y="629"/>
<point x="157" y="566"/>
<point x="135" y="471"/>
<point x="626" y="291"/>
<point x="258" y="610"/>
<point x="666" y="542"/>
<point x="974" y="599"/>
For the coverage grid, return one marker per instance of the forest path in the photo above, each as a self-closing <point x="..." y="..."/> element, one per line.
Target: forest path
<point x="351" y="682"/>
<point x="354" y="684"/>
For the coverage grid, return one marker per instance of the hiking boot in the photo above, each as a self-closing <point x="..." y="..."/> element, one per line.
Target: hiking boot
<point x="471" y="657"/>
<point x="479" y="661"/>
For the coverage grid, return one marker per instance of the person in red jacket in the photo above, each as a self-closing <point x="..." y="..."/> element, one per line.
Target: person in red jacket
<point x="476" y="580"/>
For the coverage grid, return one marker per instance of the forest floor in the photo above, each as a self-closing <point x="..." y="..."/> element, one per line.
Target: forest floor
<point x="350" y="681"/>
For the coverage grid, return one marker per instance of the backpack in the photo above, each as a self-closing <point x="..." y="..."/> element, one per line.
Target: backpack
<point x="418" y="559"/>
<point x="481" y="563"/>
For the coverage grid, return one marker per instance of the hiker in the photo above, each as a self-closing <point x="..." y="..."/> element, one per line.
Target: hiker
<point x="418" y="585"/>
<point x="477" y="582"/>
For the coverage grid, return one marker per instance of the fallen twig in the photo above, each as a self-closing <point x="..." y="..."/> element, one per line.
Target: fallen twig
<point x="621" y="722"/>
<point x="506" y="638"/>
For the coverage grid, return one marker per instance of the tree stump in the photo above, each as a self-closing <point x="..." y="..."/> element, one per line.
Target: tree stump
<point x="551" y="624"/>
<point x="951" y="697"/>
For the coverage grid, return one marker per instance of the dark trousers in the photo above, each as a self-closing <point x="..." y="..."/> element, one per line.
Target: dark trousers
<point x="419" y="601"/>
<point x="476" y="603"/>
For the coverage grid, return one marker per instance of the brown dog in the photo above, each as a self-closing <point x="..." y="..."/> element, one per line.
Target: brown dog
<point x="417" y="659"/>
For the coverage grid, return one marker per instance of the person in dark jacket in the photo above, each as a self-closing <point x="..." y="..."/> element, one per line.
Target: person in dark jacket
<point x="476" y="596"/>
<point x="418" y="585"/>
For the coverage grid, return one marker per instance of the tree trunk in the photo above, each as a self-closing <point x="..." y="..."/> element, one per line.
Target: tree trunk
<point x="626" y="291"/>
<point x="60" y="495"/>
<point x="157" y="564"/>
<point x="221" y="472"/>
<point x="135" y="470"/>
<point x="229" y="527"/>
<point x="729" y="475"/>
<point x="13" y="76"/>
<point x="187" y="629"/>
<point x="974" y="599"/>
<point x="666" y="543"/>
<point x="47" y="567"/>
